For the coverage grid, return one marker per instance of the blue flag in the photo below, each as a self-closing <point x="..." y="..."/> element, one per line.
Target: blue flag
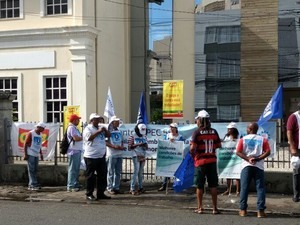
<point x="142" y="113"/>
<point x="184" y="175"/>
<point x="274" y="109"/>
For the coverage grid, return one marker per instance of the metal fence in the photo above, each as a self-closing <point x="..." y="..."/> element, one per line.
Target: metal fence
<point x="280" y="162"/>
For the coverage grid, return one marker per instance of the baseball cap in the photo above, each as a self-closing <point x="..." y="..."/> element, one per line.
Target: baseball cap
<point x="114" y="118"/>
<point x="174" y="125"/>
<point x="41" y="124"/>
<point x="142" y="128"/>
<point x="94" y="116"/>
<point x="202" y="114"/>
<point x="231" y="125"/>
<point x="74" y="117"/>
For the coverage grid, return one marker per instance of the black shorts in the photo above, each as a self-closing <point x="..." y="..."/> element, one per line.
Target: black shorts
<point x="209" y="172"/>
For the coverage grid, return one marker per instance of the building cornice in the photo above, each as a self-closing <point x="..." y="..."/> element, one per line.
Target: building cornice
<point x="61" y="36"/>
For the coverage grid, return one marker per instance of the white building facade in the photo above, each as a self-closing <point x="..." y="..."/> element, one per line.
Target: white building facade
<point x="67" y="53"/>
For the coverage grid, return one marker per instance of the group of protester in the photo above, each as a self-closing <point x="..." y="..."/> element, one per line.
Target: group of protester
<point x="103" y="148"/>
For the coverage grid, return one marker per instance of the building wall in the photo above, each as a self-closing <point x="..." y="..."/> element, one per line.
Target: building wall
<point x="96" y="46"/>
<point x="259" y="75"/>
<point x="184" y="52"/>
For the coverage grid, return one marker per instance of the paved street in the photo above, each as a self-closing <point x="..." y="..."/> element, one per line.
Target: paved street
<point x="279" y="206"/>
<point x="53" y="213"/>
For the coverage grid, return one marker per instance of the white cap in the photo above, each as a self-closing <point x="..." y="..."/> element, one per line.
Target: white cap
<point x="114" y="118"/>
<point x="142" y="128"/>
<point x="231" y="125"/>
<point x="41" y="124"/>
<point x="202" y="114"/>
<point x="295" y="162"/>
<point x="174" y="125"/>
<point x="94" y="116"/>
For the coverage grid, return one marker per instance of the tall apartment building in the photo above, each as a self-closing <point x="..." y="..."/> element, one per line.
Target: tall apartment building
<point x="239" y="63"/>
<point x="67" y="52"/>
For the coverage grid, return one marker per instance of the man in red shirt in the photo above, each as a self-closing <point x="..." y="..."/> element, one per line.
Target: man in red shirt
<point x="205" y="141"/>
<point x="293" y="139"/>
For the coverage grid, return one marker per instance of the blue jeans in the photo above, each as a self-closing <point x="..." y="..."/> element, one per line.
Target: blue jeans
<point x="138" y="170"/>
<point x="73" y="171"/>
<point x="247" y="174"/>
<point x="32" y="165"/>
<point x="114" y="170"/>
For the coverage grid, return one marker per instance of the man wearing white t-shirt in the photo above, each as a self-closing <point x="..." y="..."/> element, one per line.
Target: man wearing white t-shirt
<point x="253" y="149"/>
<point x="94" y="145"/>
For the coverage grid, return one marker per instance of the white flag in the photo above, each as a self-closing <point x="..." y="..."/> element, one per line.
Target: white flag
<point x="109" y="110"/>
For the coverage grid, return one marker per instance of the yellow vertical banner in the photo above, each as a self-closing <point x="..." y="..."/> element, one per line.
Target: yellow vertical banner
<point x="68" y="111"/>
<point x="173" y="99"/>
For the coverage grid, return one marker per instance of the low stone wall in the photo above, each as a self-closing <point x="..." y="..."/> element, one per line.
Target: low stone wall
<point x="50" y="175"/>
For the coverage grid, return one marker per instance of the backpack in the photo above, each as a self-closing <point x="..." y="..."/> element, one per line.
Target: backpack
<point x="64" y="144"/>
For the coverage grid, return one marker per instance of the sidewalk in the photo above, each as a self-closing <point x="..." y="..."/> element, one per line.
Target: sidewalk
<point x="281" y="205"/>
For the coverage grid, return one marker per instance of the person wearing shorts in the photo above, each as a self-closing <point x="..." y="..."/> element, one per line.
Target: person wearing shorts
<point x="205" y="141"/>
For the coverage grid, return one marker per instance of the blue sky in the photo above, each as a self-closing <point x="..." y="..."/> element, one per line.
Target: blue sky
<point x="161" y="20"/>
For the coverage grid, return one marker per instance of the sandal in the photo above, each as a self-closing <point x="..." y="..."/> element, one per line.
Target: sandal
<point x="199" y="211"/>
<point x="215" y="212"/>
<point x="226" y="193"/>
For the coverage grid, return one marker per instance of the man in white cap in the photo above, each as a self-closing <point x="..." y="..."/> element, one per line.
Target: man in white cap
<point x="205" y="140"/>
<point x="114" y="156"/>
<point x="32" y="149"/>
<point x="94" y="145"/>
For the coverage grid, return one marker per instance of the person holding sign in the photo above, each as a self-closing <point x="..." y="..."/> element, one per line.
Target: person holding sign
<point x="205" y="140"/>
<point x="114" y="156"/>
<point x="138" y="144"/>
<point x="172" y="136"/>
<point x="231" y="136"/>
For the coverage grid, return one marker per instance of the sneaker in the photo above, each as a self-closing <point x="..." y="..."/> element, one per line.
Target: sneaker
<point x="111" y="192"/>
<point x="33" y="188"/>
<point x="91" y="198"/>
<point x="243" y="213"/>
<point x="73" y="190"/>
<point x="296" y="199"/>
<point x="261" y="214"/>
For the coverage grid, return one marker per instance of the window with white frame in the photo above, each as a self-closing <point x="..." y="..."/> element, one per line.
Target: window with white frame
<point x="57" y="7"/>
<point x="11" y="9"/>
<point x="56" y="97"/>
<point x="222" y="34"/>
<point x="11" y="85"/>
